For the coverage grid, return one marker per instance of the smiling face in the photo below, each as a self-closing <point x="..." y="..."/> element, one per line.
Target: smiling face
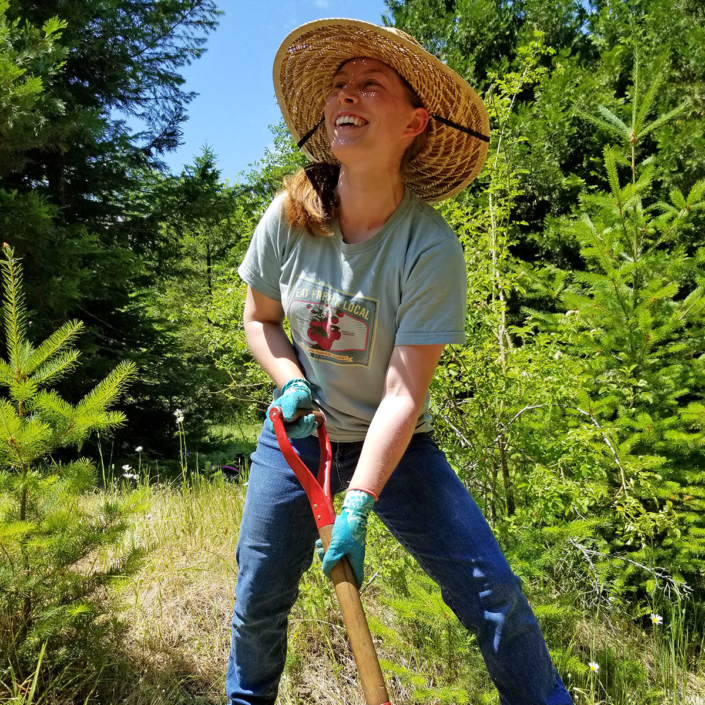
<point x="369" y="114"/>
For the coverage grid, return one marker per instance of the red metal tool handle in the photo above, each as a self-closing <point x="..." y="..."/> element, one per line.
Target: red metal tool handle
<point x="318" y="492"/>
<point x="317" y="489"/>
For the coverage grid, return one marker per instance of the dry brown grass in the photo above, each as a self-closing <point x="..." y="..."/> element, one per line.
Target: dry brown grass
<point x="179" y="604"/>
<point x="179" y="607"/>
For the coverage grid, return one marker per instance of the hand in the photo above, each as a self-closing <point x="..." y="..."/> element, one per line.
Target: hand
<point x="294" y="395"/>
<point x="349" y="532"/>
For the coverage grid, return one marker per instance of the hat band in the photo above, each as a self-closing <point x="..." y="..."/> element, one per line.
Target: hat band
<point x="309" y="134"/>
<point x="466" y="130"/>
<point x="444" y="121"/>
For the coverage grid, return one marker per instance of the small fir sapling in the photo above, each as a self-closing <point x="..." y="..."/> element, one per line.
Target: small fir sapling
<point x="55" y="532"/>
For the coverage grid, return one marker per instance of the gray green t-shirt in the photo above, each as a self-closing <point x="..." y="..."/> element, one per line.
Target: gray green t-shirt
<point x="348" y="305"/>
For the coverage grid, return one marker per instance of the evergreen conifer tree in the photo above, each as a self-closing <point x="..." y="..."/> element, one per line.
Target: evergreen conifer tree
<point x="638" y="324"/>
<point x="52" y="525"/>
<point x="635" y="322"/>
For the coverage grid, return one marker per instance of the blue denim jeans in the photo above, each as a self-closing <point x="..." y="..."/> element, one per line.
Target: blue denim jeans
<point x="431" y="513"/>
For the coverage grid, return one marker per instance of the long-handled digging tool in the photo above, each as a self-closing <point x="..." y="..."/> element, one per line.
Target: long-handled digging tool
<point x="318" y="492"/>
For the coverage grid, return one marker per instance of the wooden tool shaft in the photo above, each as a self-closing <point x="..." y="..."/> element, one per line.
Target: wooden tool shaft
<point x="356" y="624"/>
<point x="318" y="415"/>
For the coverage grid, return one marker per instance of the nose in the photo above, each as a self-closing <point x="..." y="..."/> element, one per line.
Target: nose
<point x="347" y="94"/>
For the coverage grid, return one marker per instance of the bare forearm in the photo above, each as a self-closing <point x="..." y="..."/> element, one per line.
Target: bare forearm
<point x="387" y="439"/>
<point x="273" y="351"/>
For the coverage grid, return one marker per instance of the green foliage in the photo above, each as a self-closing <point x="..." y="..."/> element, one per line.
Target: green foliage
<point x="636" y="321"/>
<point x="575" y="414"/>
<point x="585" y="423"/>
<point x="427" y="656"/>
<point x="51" y="543"/>
<point x="481" y="389"/>
<point x="28" y="58"/>
<point x="555" y="151"/>
<point x="79" y="191"/>
<point x="249" y="387"/>
<point x="633" y="321"/>
<point x="209" y="224"/>
<point x="634" y="133"/>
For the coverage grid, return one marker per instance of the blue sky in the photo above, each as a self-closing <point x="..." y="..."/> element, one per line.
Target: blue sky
<point x="236" y="102"/>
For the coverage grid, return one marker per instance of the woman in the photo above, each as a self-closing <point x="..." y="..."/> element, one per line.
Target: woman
<point x="372" y="281"/>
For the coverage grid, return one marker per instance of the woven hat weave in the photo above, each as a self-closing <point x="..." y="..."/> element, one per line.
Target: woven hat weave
<point x="458" y="133"/>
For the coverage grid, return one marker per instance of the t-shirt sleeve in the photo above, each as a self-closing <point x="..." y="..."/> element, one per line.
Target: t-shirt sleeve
<point x="261" y="265"/>
<point x="434" y="297"/>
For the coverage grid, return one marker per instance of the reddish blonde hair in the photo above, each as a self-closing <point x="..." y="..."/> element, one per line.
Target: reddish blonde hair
<point x="311" y="202"/>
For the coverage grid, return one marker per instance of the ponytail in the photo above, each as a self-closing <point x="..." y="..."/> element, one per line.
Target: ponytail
<point x="311" y="202"/>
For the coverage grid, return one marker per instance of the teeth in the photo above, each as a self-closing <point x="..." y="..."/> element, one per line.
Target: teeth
<point x="350" y="120"/>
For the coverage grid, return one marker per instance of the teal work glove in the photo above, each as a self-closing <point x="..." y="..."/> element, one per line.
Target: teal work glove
<point x="349" y="531"/>
<point x="294" y="395"/>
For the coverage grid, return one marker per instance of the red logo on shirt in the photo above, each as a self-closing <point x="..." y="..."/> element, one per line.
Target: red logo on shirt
<point x="323" y="330"/>
<point x="330" y="325"/>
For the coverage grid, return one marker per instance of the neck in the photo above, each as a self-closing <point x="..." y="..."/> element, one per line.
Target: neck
<point x="367" y="200"/>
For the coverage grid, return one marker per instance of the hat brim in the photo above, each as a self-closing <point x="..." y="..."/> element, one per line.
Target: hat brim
<point x="304" y="68"/>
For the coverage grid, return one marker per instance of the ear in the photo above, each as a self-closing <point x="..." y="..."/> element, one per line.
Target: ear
<point x="418" y="122"/>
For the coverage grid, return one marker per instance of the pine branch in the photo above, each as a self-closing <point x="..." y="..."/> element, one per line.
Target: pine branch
<point x="15" y="312"/>
<point x="53" y="344"/>
<point x="49" y="404"/>
<point x="7" y="376"/>
<point x="696" y="193"/>
<point x="56" y="369"/>
<point x="645" y="106"/>
<point x="677" y="199"/>
<point x="611" y="119"/>
<point x="664" y="119"/>
<point x="108" y="390"/>
<point x="23" y="440"/>
<point x="10" y="426"/>
<point x="602" y="124"/>
<point x="22" y="391"/>
<point x="694" y="300"/>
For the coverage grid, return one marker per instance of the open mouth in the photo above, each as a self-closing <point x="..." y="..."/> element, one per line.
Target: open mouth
<point x="348" y="121"/>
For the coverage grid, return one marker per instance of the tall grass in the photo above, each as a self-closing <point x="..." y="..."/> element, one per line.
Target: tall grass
<point x="178" y="603"/>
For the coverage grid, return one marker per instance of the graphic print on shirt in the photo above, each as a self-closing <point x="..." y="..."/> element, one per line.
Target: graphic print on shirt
<point x="331" y="325"/>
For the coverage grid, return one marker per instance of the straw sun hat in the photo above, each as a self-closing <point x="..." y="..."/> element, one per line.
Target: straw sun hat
<point x="458" y="132"/>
